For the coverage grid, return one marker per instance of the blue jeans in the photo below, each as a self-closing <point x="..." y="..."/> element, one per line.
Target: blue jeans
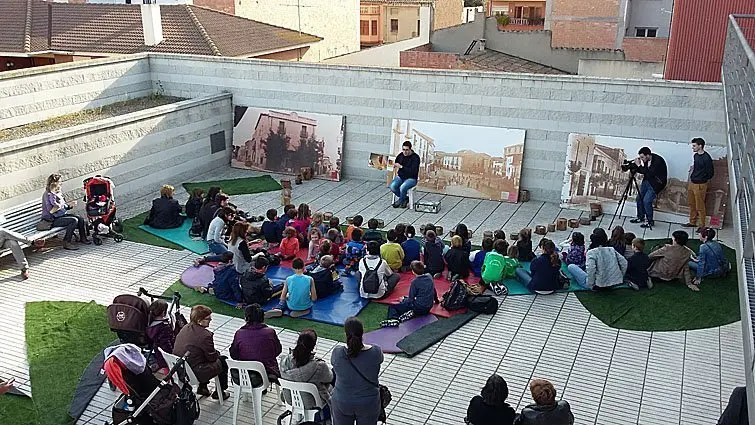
<point x="645" y="201"/>
<point x="579" y="275"/>
<point x="217" y="249"/>
<point x="693" y="265"/>
<point x="400" y="187"/>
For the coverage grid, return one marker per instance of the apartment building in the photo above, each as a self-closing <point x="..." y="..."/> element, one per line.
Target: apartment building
<point x="389" y="21"/>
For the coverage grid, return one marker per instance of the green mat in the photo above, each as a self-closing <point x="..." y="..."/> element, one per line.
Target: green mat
<point x="61" y="340"/>
<point x="669" y="306"/>
<point x="179" y="236"/>
<point x="426" y="336"/>
<point x="517" y="288"/>
<point x="240" y="186"/>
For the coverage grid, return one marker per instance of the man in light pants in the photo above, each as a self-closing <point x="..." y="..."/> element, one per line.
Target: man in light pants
<point x="10" y="240"/>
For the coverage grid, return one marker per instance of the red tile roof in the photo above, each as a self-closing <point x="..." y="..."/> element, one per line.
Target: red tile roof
<point x="33" y="25"/>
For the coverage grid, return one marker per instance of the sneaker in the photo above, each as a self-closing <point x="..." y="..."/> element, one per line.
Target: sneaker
<point x="637" y="220"/>
<point x="689" y="225"/>
<point x="405" y="204"/>
<point x="24" y="273"/>
<point x="650" y="283"/>
<point x="497" y="289"/>
<point x="632" y="285"/>
<point x="39" y="243"/>
<point x="396" y="204"/>
<point x="648" y="225"/>
<point x="70" y="246"/>
<point x="226" y="395"/>
<point x="276" y="312"/>
<point x="409" y="315"/>
<point x="198" y="261"/>
<point x="299" y="313"/>
<point x="85" y="241"/>
<point x="203" y="390"/>
<point x="390" y="323"/>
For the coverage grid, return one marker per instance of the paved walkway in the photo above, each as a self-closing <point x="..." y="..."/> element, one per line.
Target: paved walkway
<point x="608" y="376"/>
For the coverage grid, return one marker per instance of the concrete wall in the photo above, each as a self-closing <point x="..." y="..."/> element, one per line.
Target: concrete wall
<point x="457" y="39"/>
<point x="619" y="69"/>
<point x="547" y="107"/>
<point x="36" y="94"/>
<point x="139" y="151"/>
<point x="387" y="54"/>
<point x="337" y="22"/>
<point x="650" y="14"/>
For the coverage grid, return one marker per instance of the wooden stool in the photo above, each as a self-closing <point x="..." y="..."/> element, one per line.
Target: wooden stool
<point x="551" y="227"/>
<point x="540" y="230"/>
<point x="286" y="183"/>
<point x="561" y="224"/>
<point x="514" y="236"/>
<point x="585" y="221"/>
<point x="306" y="173"/>
<point x="524" y="195"/>
<point x="573" y="223"/>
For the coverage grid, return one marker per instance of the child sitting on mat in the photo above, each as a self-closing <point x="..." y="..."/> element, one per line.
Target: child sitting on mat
<point x="317" y="223"/>
<point x="372" y="234"/>
<point x="618" y="240"/>
<point x="270" y="229"/>
<point x="511" y="262"/>
<point x="225" y="284"/>
<point x="457" y="259"/>
<point x="629" y="238"/>
<point x="392" y="252"/>
<point x="493" y="267"/>
<point x="400" y="233"/>
<point x="412" y="248"/>
<point x="354" y="252"/>
<point x="463" y="232"/>
<point x="422" y="296"/>
<point x="298" y="294"/>
<point x="289" y="245"/>
<point x="499" y="234"/>
<point x="301" y="224"/>
<point x="477" y="258"/>
<point x="315" y="237"/>
<point x="543" y="277"/>
<point x="336" y="243"/>
<point x="524" y="245"/>
<point x="335" y="224"/>
<point x="285" y="217"/>
<point x="356" y="223"/>
<point x="575" y="253"/>
<point x="325" y="277"/>
<point x="433" y="254"/>
<point x="636" y="276"/>
<point x="255" y="286"/>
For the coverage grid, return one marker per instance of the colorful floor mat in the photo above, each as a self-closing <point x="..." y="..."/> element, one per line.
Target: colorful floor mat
<point x="179" y="236"/>
<point x="387" y="338"/>
<point x="517" y="288"/>
<point x="402" y="289"/>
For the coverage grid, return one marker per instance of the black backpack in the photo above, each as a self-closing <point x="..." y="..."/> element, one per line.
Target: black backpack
<point x="483" y="304"/>
<point x="195" y="231"/>
<point x="186" y="407"/>
<point x="371" y="280"/>
<point x="456" y="297"/>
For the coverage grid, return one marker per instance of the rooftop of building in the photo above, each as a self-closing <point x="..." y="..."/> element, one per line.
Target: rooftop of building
<point x="491" y="60"/>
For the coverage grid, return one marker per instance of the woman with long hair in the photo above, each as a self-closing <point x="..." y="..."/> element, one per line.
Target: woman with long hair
<point x="490" y="407"/>
<point x="618" y="240"/>
<point x="55" y="209"/>
<point x="356" y="396"/>
<point x="301" y="365"/>
<point x="257" y="342"/>
<point x="238" y="245"/>
<point x="543" y="277"/>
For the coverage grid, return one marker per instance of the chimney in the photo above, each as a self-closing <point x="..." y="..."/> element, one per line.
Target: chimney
<point x="482" y="44"/>
<point x="152" y="24"/>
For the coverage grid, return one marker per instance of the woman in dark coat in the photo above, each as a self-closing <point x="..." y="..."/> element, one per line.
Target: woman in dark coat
<point x="546" y="410"/>
<point x="166" y="211"/>
<point x="204" y="359"/>
<point x="490" y="407"/>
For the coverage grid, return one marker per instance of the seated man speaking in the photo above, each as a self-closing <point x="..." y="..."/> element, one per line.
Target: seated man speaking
<point x="655" y="175"/>
<point x="407" y="165"/>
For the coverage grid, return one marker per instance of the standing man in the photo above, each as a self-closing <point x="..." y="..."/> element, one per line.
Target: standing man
<point x="702" y="173"/>
<point x="655" y="175"/>
<point x="407" y="166"/>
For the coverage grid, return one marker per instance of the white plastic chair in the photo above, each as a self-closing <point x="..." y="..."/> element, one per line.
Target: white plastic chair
<point x="298" y="412"/>
<point x="409" y="195"/>
<point x="171" y="360"/>
<point x="245" y="386"/>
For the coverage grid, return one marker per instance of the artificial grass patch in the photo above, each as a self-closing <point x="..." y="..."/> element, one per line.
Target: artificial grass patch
<point x="669" y="306"/>
<point x="371" y="315"/>
<point x="61" y="340"/>
<point x="240" y="186"/>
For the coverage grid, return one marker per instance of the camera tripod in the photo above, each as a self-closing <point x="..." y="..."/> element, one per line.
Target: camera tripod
<point x="625" y="195"/>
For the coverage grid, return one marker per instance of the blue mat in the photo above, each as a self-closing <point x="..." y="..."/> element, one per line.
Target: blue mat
<point x="179" y="236"/>
<point x="516" y="288"/>
<point x="333" y="309"/>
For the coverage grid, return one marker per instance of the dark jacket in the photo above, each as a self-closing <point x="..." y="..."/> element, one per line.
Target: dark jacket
<point x="637" y="269"/>
<point x="259" y="343"/>
<point x="412" y="249"/>
<point x="480" y="413"/>
<point x="433" y="256"/>
<point x="282" y="222"/>
<point x="271" y="231"/>
<point x="226" y="283"/>
<point x="544" y="275"/>
<point x="409" y="166"/>
<point x="656" y="174"/>
<point x="255" y="287"/>
<point x="702" y="169"/>
<point x="165" y="214"/>
<point x="324" y="283"/>
<point x="160" y="333"/>
<point x="373" y="235"/>
<point x="736" y="410"/>
<point x="525" y="251"/>
<point x="193" y="205"/>
<point x="206" y="214"/>
<point x="203" y="358"/>
<point x="422" y="292"/>
<point x="555" y="414"/>
<point x="457" y="260"/>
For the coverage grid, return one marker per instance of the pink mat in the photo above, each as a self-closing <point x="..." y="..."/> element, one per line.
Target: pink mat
<point x="194" y="277"/>
<point x="402" y="290"/>
<point x="387" y="338"/>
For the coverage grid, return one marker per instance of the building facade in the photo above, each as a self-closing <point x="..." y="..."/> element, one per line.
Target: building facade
<point x="390" y="21"/>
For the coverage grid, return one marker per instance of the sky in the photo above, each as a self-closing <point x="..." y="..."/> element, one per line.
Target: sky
<point x="455" y="137"/>
<point x="328" y="128"/>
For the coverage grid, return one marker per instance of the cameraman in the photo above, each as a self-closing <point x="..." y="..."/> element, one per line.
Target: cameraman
<point x="653" y="168"/>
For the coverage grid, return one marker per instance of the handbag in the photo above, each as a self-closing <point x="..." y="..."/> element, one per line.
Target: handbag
<point x="385" y="393"/>
<point x="43" y="225"/>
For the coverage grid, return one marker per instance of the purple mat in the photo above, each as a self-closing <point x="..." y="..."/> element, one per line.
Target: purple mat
<point x="386" y="338"/>
<point x="197" y="276"/>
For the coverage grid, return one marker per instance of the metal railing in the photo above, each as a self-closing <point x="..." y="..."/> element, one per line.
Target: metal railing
<point x="738" y="77"/>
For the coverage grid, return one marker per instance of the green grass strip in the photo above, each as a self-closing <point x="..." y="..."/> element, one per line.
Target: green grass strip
<point x="240" y="186"/>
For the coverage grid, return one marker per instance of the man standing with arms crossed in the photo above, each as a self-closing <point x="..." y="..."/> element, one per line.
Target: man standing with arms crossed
<point x="702" y="173"/>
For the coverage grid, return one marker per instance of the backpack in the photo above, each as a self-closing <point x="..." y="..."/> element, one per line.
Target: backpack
<point x="371" y="280"/>
<point x="195" y="231"/>
<point x="456" y="297"/>
<point x="186" y="407"/>
<point x="483" y="304"/>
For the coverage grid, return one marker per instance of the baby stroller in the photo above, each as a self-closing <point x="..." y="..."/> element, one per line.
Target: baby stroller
<point x="144" y="399"/>
<point x="100" y="207"/>
<point x="128" y="317"/>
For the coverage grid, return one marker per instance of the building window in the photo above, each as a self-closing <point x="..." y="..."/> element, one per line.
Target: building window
<point x="281" y="127"/>
<point x="364" y="27"/>
<point x="374" y="27"/>
<point x="363" y="10"/>
<point x="646" y="32"/>
<point x="394" y="25"/>
<point x="418" y="26"/>
<point x="304" y="134"/>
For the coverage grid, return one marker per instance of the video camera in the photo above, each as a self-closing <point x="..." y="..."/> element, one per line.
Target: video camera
<point x="630" y="166"/>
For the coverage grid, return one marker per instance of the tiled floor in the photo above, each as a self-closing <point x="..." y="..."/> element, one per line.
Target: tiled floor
<point x="609" y="376"/>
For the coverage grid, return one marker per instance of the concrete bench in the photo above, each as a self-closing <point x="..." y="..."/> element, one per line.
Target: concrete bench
<point x="23" y="219"/>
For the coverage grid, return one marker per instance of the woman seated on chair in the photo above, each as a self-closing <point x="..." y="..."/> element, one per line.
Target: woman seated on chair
<point x="255" y="341"/>
<point x="301" y="365"/>
<point x="166" y="211"/>
<point x="204" y="359"/>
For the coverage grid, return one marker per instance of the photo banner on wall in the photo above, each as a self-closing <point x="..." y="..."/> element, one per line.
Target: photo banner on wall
<point x="593" y="173"/>
<point x="463" y="160"/>
<point x="285" y="141"/>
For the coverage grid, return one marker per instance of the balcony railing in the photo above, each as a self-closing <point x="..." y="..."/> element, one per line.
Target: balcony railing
<point x="527" y="21"/>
